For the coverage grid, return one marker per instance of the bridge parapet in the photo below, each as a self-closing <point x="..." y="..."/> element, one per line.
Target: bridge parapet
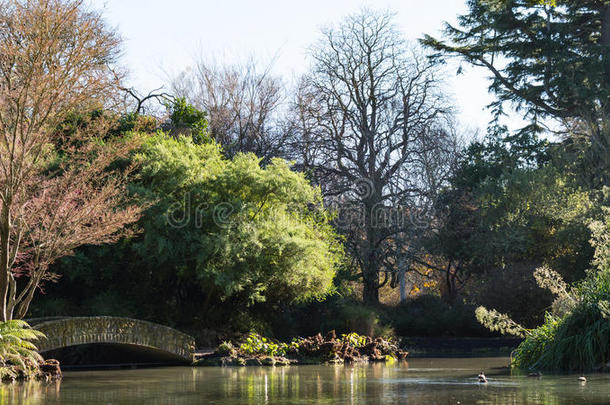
<point x="63" y="332"/>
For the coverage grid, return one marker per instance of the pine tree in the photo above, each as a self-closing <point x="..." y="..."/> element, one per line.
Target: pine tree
<point x="551" y="59"/>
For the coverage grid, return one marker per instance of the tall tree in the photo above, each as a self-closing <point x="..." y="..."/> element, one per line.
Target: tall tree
<point x="373" y="131"/>
<point x="54" y="59"/>
<point x="508" y="210"/>
<point x="550" y="59"/>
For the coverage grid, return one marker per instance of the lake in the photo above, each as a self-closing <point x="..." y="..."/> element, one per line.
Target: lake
<point x="418" y="381"/>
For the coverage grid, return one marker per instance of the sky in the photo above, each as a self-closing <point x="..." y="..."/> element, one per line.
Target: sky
<point x="162" y="38"/>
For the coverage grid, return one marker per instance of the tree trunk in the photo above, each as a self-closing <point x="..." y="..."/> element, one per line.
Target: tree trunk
<point x="370" y="272"/>
<point x="450" y="276"/>
<point x="4" y="262"/>
<point x="370" y="293"/>
<point x="605" y="34"/>
<point x="403" y="285"/>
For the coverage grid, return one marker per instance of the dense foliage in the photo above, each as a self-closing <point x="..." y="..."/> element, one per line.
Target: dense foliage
<point x="576" y="339"/>
<point x="232" y="227"/>
<point x="221" y="237"/>
<point x="518" y="204"/>
<point x="549" y="61"/>
<point x="17" y="349"/>
<point x="230" y="242"/>
<point x="510" y="209"/>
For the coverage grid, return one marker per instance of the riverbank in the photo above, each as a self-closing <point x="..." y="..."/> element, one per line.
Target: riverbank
<point x="47" y="370"/>
<point x="330" y="349"/>
<point x="260" y="351"/>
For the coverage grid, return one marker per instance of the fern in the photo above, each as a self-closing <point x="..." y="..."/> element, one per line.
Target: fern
<point x="16" y="347"/>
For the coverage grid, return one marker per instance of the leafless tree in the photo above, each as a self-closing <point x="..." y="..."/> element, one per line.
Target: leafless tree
<point x="242" y="103"/>
<point x="54" y="59"/>
<point x="375" y="131"/>
<point x="138" y="100"/>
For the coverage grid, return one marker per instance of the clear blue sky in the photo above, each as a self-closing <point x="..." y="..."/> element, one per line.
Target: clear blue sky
<point x="165" y="36"/>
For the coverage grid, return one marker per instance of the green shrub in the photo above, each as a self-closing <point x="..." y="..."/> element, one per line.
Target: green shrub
<point x="256" y="344"/>
<point x="576" y="340"/>
<point x="188" y="120"/>
<point x="354" y="340"/>
<point x="531" y="349"/>
<point x="16" y="347"/>
<point x="226" y="349"/>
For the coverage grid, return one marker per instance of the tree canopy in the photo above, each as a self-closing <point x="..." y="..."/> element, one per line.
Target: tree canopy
<point x="375" y="131"/>
<point x="234" y="228"/>
<point x="56" y="56"/>
<point x="547" y="60"/>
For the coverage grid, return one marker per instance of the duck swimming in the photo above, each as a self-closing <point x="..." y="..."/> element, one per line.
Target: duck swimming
<point x="536" y="374"/>
<point x="482" y="378"/>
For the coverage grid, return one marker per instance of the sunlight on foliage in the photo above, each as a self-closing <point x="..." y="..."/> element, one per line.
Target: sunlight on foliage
<point x="16" y="347"/>
<point x="577" y="340"/>
<point x="256" y="344"/>
<point x="497" y="322"/>
<point x="244" y="231"/>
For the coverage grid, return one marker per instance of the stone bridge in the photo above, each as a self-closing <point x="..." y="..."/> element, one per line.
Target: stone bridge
<point x="70" y="331"/>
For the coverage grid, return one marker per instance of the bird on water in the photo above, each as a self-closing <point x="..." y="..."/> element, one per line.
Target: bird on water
<point x="535" y="374"/>
<point x="482" y="378"/>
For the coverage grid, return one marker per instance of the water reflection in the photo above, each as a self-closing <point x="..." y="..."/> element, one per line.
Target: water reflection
<point x="31" y="392"/>
<point x="444" y="381"/>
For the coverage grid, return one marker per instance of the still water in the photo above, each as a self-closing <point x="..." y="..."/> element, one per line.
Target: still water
<point x="420" y="381"/>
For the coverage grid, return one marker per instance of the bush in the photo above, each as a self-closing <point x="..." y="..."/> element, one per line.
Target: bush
<point x="246" y="232"/>
<point x="187" y="120"/>
<point x="256" y="344"/>
<point x="226" y="349"/>
<point x="579" y="340"/>
<point x="576" y="340"/>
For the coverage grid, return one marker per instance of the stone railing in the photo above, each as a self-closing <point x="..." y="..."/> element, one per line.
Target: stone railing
<point x="63" y="332"/>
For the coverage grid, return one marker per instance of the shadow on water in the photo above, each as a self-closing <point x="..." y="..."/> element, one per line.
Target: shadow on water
<point x="420" y="381"/>
<point x="111" y="355"/>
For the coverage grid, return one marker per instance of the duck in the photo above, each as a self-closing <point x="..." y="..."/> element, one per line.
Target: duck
<point x="582" y="379"/>
<point x="482" y="378"/>
<point x="535" y="374"/>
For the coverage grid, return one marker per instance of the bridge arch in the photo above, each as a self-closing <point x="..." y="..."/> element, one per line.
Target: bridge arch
<point x="72" y="331"/>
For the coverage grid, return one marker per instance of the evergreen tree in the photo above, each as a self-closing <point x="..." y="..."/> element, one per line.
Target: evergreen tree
<point x="549" y="60"/>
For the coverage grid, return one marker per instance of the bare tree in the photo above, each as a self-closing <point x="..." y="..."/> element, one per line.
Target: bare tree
<point x="138" y="100"/>
<point x="242" y="103"/>
<point x="375" y="130"/>
<point x="54" y="59"/>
